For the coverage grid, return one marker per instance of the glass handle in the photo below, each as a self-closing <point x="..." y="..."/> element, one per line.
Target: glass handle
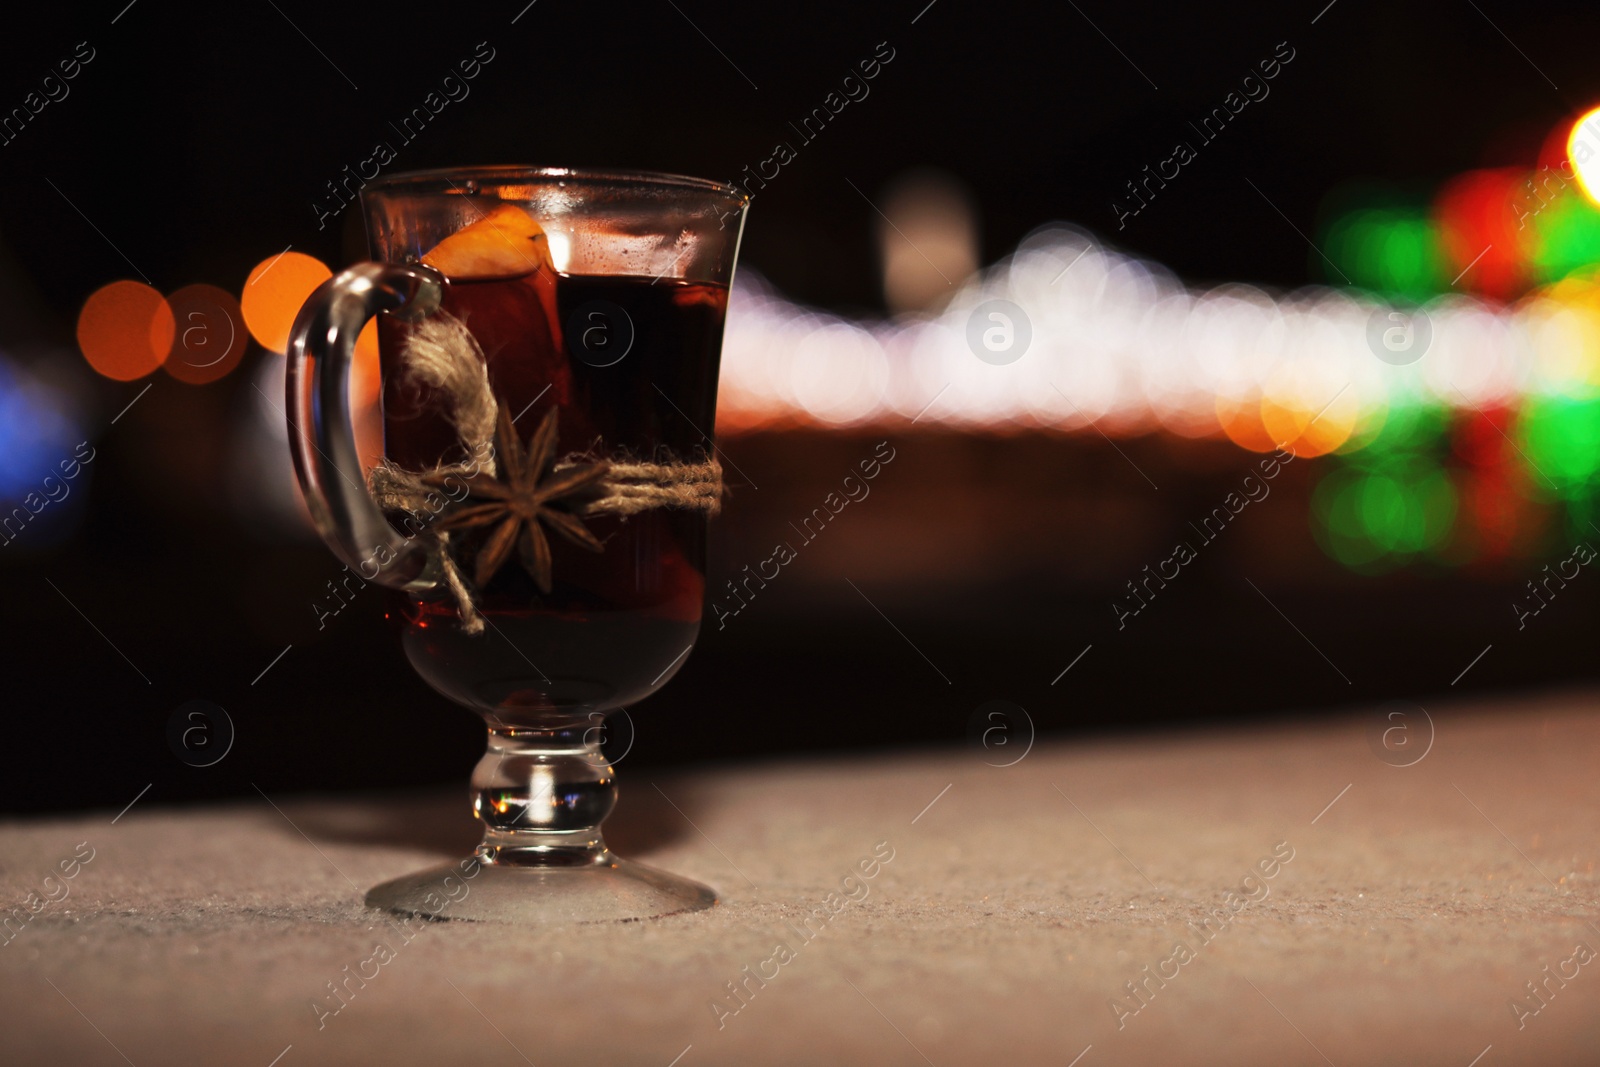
<point x="322" y="438"/>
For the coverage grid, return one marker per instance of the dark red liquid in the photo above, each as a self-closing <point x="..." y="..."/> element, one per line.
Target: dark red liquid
<point x="616" y="624"/>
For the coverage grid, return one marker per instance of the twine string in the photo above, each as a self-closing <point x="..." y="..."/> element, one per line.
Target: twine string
<point x="442" y="353"/>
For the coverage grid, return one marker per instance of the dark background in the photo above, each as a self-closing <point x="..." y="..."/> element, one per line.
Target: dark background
<point x="199" y="137"/>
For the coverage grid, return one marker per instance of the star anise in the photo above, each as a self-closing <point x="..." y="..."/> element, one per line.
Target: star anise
<point x="519" y="500"/>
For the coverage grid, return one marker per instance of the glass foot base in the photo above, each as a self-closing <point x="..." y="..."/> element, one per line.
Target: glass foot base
<point x="615" y="890"/>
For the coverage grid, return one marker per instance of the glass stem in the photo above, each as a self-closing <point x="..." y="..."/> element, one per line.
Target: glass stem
<point x="542" y="795"/>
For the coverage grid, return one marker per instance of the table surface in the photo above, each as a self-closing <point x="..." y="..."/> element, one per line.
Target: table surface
<point x="1406" y="910"/>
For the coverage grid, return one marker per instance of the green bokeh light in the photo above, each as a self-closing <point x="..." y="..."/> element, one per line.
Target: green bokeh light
<point x="1373" y="519"/>
<point x="1560" y="440"/>
<point x="1393" y="251"/>
<point x="1566" y="235"/>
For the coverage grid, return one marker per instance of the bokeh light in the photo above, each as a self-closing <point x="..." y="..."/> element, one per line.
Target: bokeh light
<point x="1560" y="436"/>
<point x="1241" y="422"/>
<point x="1494" y="497"/>
<point x="125" y="330"/>
<point x="1583" y="149"/>
<point x="1373" y="519"/>
<point x="1306" y="412"/>
<point x="1566" y="235"/>
<point x="1484" y="243"/>
<point x="274" y="293"/>
<point x="210" y="337"/>
<point x="44" y="460"/>
<point x="927" y="239"/>
<point x="35" y="434"/>
<point x="1393" y="251"/>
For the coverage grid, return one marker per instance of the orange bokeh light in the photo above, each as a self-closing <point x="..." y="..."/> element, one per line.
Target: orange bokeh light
<point x="125" y="330"/>
<point x="1240" y="419"/>
<point x="210" y="338"/>
<point x="1293" y="425"/>
<point x="274" y="292"/>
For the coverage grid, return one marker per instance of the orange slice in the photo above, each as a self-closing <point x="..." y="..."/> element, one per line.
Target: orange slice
<point x="505" y="243"/>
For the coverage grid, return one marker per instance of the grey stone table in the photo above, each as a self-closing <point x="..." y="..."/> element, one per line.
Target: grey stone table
<point x="1282" y="895"/>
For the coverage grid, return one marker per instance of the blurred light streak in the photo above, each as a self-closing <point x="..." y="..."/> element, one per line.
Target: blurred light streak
<point x="1134" y="351"/>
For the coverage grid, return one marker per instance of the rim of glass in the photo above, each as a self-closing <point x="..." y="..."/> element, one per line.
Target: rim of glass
<point x="591" y="175"/>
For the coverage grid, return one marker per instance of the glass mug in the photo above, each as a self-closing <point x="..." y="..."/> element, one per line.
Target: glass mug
<point x="593" y="306"/>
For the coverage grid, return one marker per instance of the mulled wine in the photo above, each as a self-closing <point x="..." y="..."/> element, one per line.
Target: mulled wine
<point x="544" y="492"/>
